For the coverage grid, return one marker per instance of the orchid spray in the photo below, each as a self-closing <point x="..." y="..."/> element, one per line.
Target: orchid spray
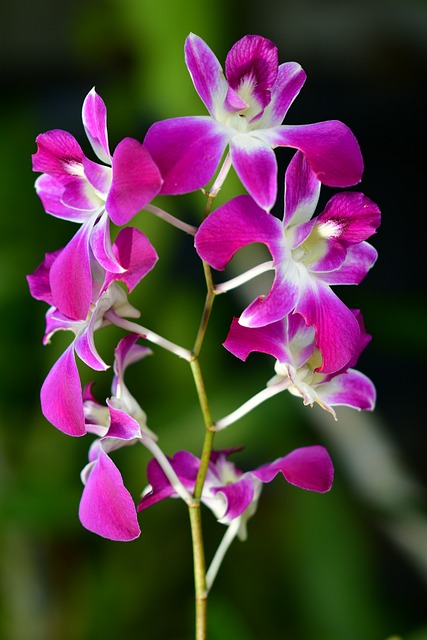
<point x="314" y="339"/>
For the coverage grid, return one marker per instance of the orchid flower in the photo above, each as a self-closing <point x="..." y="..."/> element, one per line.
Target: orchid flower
<point x="106" y="507"/>
<point x="228" y="492"/>
<point x="246" y="108"/>
<point x="292" y="343"/>
<point x="75" y="188"/>
<point x="61" y="394"/>
<point x="308" y="254"/>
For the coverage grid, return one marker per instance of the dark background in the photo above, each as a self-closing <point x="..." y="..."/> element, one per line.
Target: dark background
<point x="349" y="565"/>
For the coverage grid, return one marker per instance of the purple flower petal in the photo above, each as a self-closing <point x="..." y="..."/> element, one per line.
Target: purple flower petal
<point x="185" y="465"/>
<point x="302" y="190"/>
<point x="187" y="151"/>
<point x="359" y="259"/>
<point x="61" y="396"/>
<point x="58" y="154"/>
<point x="352" y="389"/>
<point x="330" y="148"/>
<point x="136" y="180"/>
<point x="256" y="166"/>
<point x="122" y="425"/>
<point x="50" y="192"/>
<point x="308" y="468"/>
<point x="38" y="281"/>
<point x="106" y="507"/>
<point x="136" y="256"/>
<point x="100" y="242"/>
<point x="232" y="226"/>
<point x="290" y="79"/>
<point x="238" y="495"/>
<point x="70" y="275"/>
<point x="94" y="115"/>
<point x="206" y="73"/>
<point x="253" y="60"/>
<point x="271" y="339"/>
<point x="354" y="217"/>
<point x="337" y="330"/>
<point x="98" y="176"/>
<point x="280" y="300"/>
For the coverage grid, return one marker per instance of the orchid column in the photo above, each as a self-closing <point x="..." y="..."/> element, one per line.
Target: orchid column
<point x="313" y="337"/>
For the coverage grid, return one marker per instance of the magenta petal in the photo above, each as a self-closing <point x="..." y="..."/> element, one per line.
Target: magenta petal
<point x="271" y="339"/>
<point x="50" y="192"/>
<point x="330" y="148"/>
<point x="351" y="389"/>
<point x="136" y="180"/>
<point x="206" y="72"/>
<point x="122" y="425"/>
<point x="337" y="329"/>
<point x="238" y="495"/>
<point x="256" y="166"/>
<point x="359" y="259"/>
<point x="70" y="276"/>
<point x="302" y="190"/>
<point x="58" y="154"/>
<point x="38" y="281"/>
<point x="106" y="507"/>
<point x="94" y="114"/>
<point x="290" y="79"/>
<point x="98" y="176"/>
<point x="185" y="465"/>
<point x="61" y="396"/>
<point x="254" y="59"/>
<point x="187" y="151"/>
<point x="100" y="242"/>
<point x="232" y="226"/>
<point x="354" y="216"/>
<point x="308" y="468"/>
<point x="135" y="254"/>
<point x="280" y="300"/>
<point x="126" y="353"/>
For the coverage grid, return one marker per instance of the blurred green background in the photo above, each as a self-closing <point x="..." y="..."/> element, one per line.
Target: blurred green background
<point x="349" y="565"/>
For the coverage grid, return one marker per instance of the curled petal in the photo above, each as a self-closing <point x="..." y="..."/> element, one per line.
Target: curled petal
<point x="136" y="180"/>
<point x="50" y="192"/>
<point x="187" y="151"/>
<point x="359" y="259"/>
<point x="94" y="115"/>
<point x="271" y="339"/>
<point x="61" y="396"/>
<point x="238" y="496"/>
<point x="351" y="389"/>
<point x="136" y="256"/>
<point x="106" y="507"/>
<point x="307" y="468"/>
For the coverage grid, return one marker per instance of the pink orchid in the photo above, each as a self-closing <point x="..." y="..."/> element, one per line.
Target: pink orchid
<point x="75" y="188"/>
<point x="61" y="393"/>
<point x="308" y="254"/>
<point x="246" y="108"/>
<point x="292" y="343"/>
<point x="228" y="492"/>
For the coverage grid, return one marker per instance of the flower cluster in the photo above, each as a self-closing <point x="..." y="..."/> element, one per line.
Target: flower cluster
<point x="313" y="337"/>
